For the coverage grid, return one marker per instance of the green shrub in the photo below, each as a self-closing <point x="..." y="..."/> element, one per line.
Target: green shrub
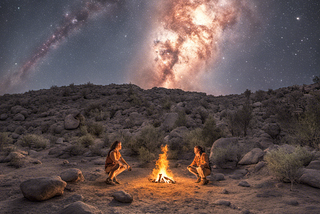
<point x="182" y="119"/>
<point x="145" y="155"/>
<point x="86" y="140"/>
<point x="210" y="132"/>
<point x="34" y="141"/>
<point x="239" y="121"/>
<point x="194" y="138"/>
<point x="149" y="138"/>
<point x="288" y="166"/>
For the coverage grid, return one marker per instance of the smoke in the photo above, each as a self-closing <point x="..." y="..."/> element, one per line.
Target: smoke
<point x="186" y="40"/>
<point x="70" y="24"/>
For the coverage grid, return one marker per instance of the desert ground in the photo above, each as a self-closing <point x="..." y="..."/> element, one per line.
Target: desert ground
<point x="265" y="194"/>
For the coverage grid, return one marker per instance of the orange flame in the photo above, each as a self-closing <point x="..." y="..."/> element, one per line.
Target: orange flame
<point x="162" y="165"/>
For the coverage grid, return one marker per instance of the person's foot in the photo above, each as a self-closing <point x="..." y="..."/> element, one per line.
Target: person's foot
<point x="116" y="181"/>
<point x="109" y="181"/>
<point x="204" y="181"/>
<point x="198" y="180"/>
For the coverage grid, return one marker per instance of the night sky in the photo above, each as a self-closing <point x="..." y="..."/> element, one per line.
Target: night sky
<point x="249" y="45"/>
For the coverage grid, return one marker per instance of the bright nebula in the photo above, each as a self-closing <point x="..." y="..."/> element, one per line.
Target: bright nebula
<point x="187" y="40"/>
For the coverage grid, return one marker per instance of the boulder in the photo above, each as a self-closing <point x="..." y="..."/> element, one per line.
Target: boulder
<point x="218" y="177"/>
<point x="72" y="175"/>
<point x="70" y="122"/>
<point x="265" y="143"/>
<point x="252" y="157"/>
<point x="311" y="177"/>
<point x="19" y="117"/>
<point x="122" y="196"/>
<point x="3" y="116"/>
<point x="14" y="156"/>
<point x="273" y="129"/>
<point x="244" y="184"/>
<point x="80" y="207"/>
<point x="40" y="189"/>
<point x="229" y="144"/>
<point x="169" y="120"/>
<point x="259" y="166"/>
<point x="222" y="202"/>
<point x="314" y="165"/>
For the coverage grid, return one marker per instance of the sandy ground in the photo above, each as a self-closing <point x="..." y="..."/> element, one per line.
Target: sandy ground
<point x="266" y="194"/>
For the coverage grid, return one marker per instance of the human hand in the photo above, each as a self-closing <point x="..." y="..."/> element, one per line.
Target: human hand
<point x="129" y="168"/>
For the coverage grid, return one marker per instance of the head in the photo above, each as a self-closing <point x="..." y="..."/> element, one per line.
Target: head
<point x="198" y="150"/>
<point x="116" y="145"/>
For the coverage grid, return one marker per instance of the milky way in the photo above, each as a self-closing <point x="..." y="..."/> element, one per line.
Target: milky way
<point x="187" y="40"/>
<point x="71" y="22"/>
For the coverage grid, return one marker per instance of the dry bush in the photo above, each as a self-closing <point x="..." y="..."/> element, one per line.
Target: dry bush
<point x="95" y="129"/>
<point x="145" y="155"/>
<point x="99" y="149"/>
<point x="75" y="150"/>
<point x="5" y="139"/>
<point x="288" y="166"/>
<point x="239" y="121"/>
<point x="182" y="119"/>
<point x="86" y="140"/>
<point x="34" y="141"/>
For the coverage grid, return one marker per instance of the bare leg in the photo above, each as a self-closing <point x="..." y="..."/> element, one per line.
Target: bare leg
<point x="193" y="170"/>
<point x="203" y="172"/>
<point x="120" y="170"/>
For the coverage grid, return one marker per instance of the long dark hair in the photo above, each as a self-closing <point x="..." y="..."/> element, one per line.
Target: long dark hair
<point x="200" y="149"/>
<point x="113" y="146"/>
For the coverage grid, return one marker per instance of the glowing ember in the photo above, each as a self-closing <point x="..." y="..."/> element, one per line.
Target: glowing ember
<point x="161" y="174"/>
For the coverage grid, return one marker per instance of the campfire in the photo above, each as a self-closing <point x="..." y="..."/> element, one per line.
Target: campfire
<point x="161" y="173"/>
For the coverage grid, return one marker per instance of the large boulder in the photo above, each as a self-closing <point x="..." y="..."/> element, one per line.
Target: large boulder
<point x="19" y="117"/>
<point x="80" y="207"/>
<point x="122" y="196"/>
<point x="40" y="189"/>
<point x="273" y="129"/>
<point x="230" y="147"/>
<point x="311" y="177"/>
<point x="72" y="175"/>
<point x="70" y="122"/>
<point x="314" y="165"/>
<point x="169" y="120"/>
<point x="252" y="157"/>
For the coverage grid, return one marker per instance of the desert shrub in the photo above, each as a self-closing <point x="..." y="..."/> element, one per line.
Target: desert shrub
<point x="95" y="129"/>
<point x="34" y="141"/>
<point x="260" y="96"/>
<point x="247" y="94"/>
<point x="16" y="162"/>
<point x="316" y="79"/>
<point x="122" y="136"/>
<point x="83" y="130"/>
<point x="145" y="155"/>
<point x="149" y="138"/>
<point x="167" y="104"/>
<point x="308" y="126"/>
<point x="5" y="139"/>
<point x="86" y="140"/>
<point x="75" y="150"/>
<point x="98" y="149"/>
<point x="210" y="132"/>
<point x="221" y="156"/>
<point x="182" y="119"/>
<point x="239" y="120"/>
<point x="288" y="166"/>
<point x="194" y="138"/>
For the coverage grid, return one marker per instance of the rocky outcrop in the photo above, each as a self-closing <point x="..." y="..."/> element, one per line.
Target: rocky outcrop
<point x="40" y="189"/>
<point x="311" y="177"/>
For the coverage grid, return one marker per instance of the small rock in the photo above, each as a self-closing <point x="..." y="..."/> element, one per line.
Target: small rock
<point x="224" y="191"/>
<point x="218" y="177"/>
<point x="37" y="162"/>
<point x="3" y="116"/>
<point x="15" y="136"/>
<point x="259" y="166"/>
<point x="292" y="202"/>
<point x="59" y="140"/>
<point x="80" y="207"/>
<point x="40" y="189"/>
<point x="74" y="198"/>
<point x="72" y="175"/>
<point x="122" y="196"/>
<point x="244" y="184"/>
<point x="99" y="162"/>
<point x="65" y="162"/>
<point x="252" y="157"/>
<point x="222" y="202"/>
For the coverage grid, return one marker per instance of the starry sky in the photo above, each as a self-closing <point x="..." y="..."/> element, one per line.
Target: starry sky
<point x="257" y="45"/>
